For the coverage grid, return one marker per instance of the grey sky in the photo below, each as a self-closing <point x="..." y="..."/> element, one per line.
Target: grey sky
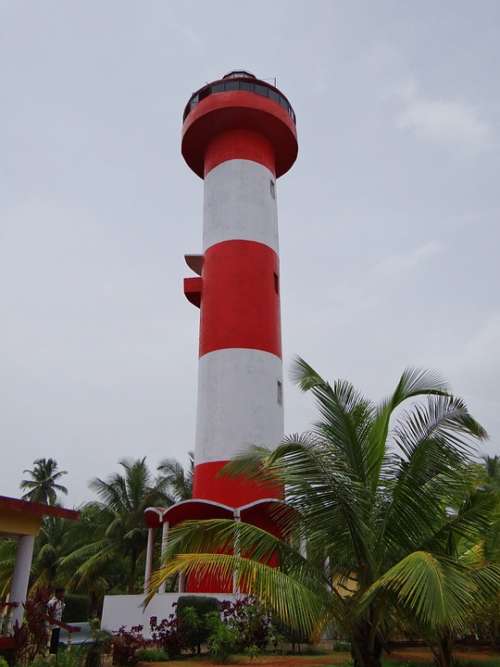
<point x="388" y="221"/>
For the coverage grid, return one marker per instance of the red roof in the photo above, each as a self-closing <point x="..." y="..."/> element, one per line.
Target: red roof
<point x="37" y="509"/>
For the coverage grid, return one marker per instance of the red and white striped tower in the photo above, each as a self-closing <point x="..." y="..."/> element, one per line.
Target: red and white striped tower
<point x="239" y="136"/>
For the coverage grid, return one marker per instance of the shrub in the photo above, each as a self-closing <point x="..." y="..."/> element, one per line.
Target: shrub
<point x="166" y="635"/>
<point x="126" y="643"/>
<point x="41" y="661"/>
<point x="250" y="620"/>
<point x="3" y="662"/>
<point x="202" y="604"/>
<point x="101" y="642"/>
<point x="223" y="641"/>
<point x="32" y="636"/>
<point x="291" y="636"/>
<point x="151" y="655"/>
<point x="192" y="614"/>
<point x="277" y="641"/>
<point x="193" y="629"/>
<point x="73" y="656"/>
<point x="252" y="651"/>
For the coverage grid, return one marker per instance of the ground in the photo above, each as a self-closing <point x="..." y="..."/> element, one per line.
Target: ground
<point x="422" y="655"/>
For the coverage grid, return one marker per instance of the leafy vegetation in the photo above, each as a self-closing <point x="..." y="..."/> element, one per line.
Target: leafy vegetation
<point x="192" y="614"/>
<point x="43" y="486"/>
<point x="104" y="551"/>
<point x="124" y="497"/>
<point x="226" y="628"/>
<point x="151" y="655"/>
<point x="32" y="636"/>
<point x="100" y="644"/>
<point x="223" y="641"/>
<point x="391" y="512"/>
<point x="392" y="529"/>
<point x="178" y="481"/>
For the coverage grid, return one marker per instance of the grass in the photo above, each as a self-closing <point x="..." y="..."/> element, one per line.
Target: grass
<point x="328" y="659"/>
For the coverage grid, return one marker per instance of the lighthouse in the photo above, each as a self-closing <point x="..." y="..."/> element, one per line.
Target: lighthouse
<point x="239" y="136"/>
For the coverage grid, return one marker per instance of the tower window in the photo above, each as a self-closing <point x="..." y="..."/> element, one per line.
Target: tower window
<point x="280" y="392"/>
<point x="276" y="283"/>
<point x="272" y="187"/>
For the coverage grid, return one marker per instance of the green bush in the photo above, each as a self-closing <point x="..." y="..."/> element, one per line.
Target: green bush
<point x="101" y="643"/>
<point x="251" y="621"/>
<point x="77" y="609"/>
<point x="278" y="642"/>
<point x="223" y="641"/>
<point x="193" y="628"/>
<point x="192" y="616"/>
<point x="72" y="656"/>
<point x="291" y="636"/>
<point x="41" y="661"/>
<point x="202" y="604"/>
<point x="151" y="655"/>
<point x="252" y="651"/>
<point x="3" y="662"/>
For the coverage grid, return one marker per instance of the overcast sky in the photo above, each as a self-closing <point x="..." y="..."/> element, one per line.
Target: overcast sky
<point x="389" y="221"/>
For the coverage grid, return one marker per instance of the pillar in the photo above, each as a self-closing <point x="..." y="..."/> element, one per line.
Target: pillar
<point x="164" y="541"/>
<point x="149" y="558"/>
<point x="21" y="575"/>
<point x="237" y="552"/>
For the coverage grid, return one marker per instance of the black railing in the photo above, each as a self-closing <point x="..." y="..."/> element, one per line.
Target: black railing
<point x="247" y="85"/>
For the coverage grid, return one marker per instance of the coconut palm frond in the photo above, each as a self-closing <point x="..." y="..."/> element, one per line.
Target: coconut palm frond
<point x="292" y="601"/>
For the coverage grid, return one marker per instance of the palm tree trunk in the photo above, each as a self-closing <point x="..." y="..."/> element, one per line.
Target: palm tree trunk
<point x="94" y="604"/>
<point x="366" y="647"/>
<point x="494" y="631"/>
<point x="443" y="651"/>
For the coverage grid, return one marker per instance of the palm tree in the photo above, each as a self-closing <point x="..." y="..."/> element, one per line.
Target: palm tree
<point x="52" y="543"/>
<point x="471" y="549"/>
<point x="177" y="480"/>
<point x="491" y="472"/>
<point x="43" y="486"/>
<point x="373" y="486"/>
<point x="7" y="563"/>
<point x="83" y="573"/>
<point x="121" y="533"/>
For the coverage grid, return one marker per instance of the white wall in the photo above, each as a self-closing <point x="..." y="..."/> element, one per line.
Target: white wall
<point x="127" y="610"/>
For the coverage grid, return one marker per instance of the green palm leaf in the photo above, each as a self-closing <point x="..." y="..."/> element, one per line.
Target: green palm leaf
<point x="292" y="601"/>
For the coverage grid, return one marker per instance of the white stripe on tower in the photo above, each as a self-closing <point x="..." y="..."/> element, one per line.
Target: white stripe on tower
<point x="240" y="203"/>
<point x="239" y="403"/>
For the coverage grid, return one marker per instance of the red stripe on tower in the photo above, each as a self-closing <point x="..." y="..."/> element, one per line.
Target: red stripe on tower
<point x="242" y="145"/>
<point x="241" y="305"/>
